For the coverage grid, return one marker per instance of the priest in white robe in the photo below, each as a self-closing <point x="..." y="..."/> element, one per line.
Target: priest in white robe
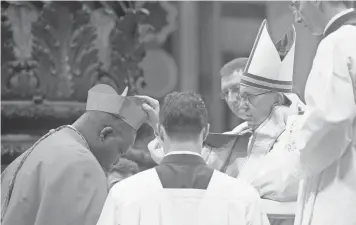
<point x="183" y="189"/>
<point x="322" y="146"/>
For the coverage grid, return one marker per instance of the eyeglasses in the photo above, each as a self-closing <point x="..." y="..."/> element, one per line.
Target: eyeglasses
<point x="247" y="97"/>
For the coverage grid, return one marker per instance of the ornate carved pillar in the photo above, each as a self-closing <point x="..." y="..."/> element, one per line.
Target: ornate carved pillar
<point x="53" y="53"/>
<point x="159" y="65"/>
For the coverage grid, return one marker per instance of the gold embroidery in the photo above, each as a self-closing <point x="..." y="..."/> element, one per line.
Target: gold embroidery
<point x="291" y="145"/>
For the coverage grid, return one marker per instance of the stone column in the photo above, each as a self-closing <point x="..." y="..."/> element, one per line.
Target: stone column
<point x="189" y="46"/>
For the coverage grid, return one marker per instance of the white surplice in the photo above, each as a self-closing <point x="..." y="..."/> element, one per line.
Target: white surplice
<point x="141" y="200"/>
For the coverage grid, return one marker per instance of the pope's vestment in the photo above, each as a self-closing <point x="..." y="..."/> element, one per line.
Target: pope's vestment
<point x="322" y="146"/>
<point x="60" y="183"/>
<point x="182" y="190"/>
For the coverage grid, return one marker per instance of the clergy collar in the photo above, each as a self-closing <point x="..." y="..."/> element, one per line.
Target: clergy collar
<point x="338" y="20"/>
<point x="182" y="152"/>
<point x="183" y="158"/>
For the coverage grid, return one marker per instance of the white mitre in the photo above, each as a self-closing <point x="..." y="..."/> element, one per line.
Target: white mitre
<point x="265" y="69"/>
<point x="104" y="98"/>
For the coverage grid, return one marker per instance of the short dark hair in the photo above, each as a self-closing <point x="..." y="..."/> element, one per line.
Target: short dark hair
<point x="183" y="115"/>
<point x="232" y="66"/>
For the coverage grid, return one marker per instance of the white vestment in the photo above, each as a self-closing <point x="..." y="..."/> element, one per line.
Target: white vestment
<point x="141" y="200"/>
<point x="322" y="148"/>
<point x="328" y="134"/>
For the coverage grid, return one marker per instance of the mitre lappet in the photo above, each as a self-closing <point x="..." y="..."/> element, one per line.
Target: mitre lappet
<point x="104" y="98"/>
<point x="270" y="65"/>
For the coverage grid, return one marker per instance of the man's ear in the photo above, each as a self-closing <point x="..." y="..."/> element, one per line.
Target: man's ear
<point x="206" y="132"/>
<point x="104" y="133"/>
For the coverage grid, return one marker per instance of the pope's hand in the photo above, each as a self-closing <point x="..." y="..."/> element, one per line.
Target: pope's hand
<point x="266" y="186"/>
<point x="275" y="179"/>
<point x="151" y="106"/>
<point x="275" y="189"/>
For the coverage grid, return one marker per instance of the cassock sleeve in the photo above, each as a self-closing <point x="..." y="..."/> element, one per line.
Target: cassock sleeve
<point x="325" y="129"/>
<point x="74" y="194"/>
<point x="109" y="212"/>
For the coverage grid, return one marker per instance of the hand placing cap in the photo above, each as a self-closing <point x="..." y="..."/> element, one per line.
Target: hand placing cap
<point x="151" y="107"/>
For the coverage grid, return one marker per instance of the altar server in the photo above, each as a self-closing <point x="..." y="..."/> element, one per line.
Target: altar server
<point x="60" y="180"/>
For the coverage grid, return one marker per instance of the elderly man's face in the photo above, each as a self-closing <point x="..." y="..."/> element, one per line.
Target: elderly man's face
<point x="256" y="104"/>
<point x="309" y="14"/>
<point x="230" y="92"/>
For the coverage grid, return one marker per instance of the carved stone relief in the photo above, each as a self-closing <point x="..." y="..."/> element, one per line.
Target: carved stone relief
<point x="57" y="51"/>
<point x="159" y="66"/>
<point x="54" y="52"/>
<point x="17" y="66"/>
